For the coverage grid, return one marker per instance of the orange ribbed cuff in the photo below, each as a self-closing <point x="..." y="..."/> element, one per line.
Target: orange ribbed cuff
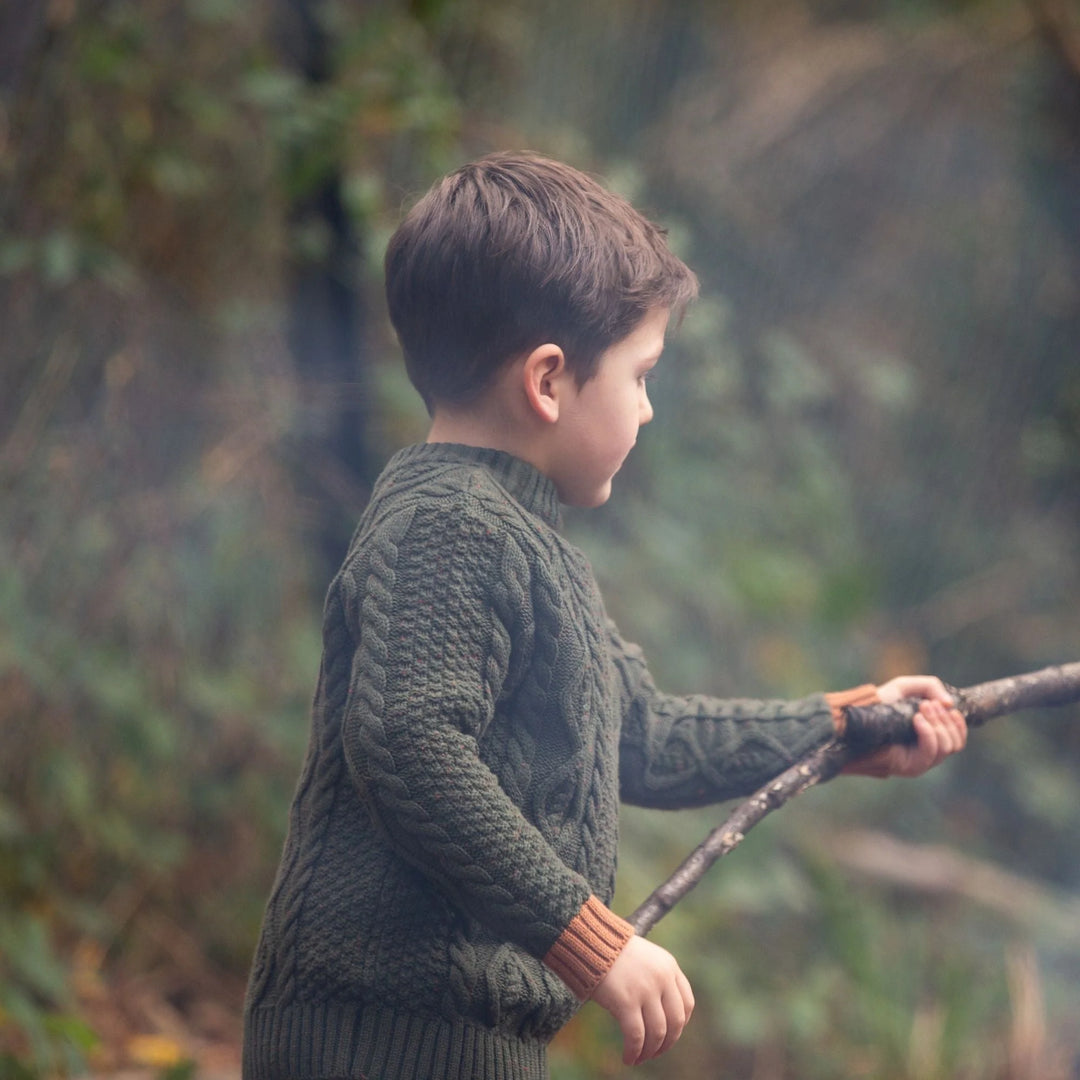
<point x="584" y="952"/>
<point x="859" y="695"/>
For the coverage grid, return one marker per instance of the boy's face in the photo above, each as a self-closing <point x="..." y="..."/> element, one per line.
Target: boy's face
<point x="599" y="421"/>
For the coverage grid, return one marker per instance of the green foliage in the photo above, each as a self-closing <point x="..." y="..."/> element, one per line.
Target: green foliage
<point x="155" y="673"/>
<point x="35" y="1003"/>
<point x="814" y="504"/>
<point x="158" y="624"/>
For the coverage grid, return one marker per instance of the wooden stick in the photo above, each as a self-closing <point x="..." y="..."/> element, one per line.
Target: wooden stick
<point x="1057" y="685"/>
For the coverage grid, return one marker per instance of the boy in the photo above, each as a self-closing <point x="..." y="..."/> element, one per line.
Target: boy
<point x="441" y="905"/>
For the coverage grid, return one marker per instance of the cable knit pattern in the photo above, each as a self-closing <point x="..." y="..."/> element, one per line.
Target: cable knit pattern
<point x="441" y="903"/>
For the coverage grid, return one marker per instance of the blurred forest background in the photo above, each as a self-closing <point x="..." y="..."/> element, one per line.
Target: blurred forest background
<point x="866" y="460"/>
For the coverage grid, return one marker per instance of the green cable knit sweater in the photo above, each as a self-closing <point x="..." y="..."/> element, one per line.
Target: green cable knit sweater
<point x="440" y="907"/>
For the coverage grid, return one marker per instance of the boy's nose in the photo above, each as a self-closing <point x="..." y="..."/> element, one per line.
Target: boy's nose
<point x="645" y="413"/>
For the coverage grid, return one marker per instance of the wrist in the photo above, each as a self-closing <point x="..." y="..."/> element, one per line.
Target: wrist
<point x="584" y="952"/>
<point x="867" y="694"/>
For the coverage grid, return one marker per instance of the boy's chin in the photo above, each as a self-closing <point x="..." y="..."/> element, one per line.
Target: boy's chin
<point x="587" y="500"/>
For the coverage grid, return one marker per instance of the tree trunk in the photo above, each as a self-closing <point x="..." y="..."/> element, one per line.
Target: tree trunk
<point x="327" y="314"/>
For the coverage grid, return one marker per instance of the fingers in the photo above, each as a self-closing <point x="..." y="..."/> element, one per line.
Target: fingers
<point x="934" y="690"/>
<point x="920" y="686"/>
<point x="926" y="753"/>
<point x="678" y="1006"/>
<point x="633" y="1036"/>
<point x="649" y="996"/>
<point x="687" y="994"/>
<point x="658" y="1025"/>
<point x="940" y="732"/>
<point x="945" y="726"/>
<point x="657" y="1022"/>
<point x="663" y="1022"/>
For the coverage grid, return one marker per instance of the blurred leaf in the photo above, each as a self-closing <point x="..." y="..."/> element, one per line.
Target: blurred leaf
<point x="157" y="1051"/>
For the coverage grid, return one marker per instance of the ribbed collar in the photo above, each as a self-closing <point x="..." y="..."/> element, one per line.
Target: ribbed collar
<point x="523" y="481"/>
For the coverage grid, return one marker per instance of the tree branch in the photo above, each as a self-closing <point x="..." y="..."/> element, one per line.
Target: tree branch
<point x="1057" y="685"/>
<point x="935" y="870"/>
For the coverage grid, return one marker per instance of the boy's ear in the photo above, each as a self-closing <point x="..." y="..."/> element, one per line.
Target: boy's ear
<point x="544" y="374"/>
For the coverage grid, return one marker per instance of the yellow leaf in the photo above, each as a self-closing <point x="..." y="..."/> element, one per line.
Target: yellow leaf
<point x="157" y="1051"/>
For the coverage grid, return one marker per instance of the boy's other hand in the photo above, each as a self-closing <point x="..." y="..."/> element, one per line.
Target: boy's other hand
<point x="939" y="729"/>
<point x="649" y="996"/>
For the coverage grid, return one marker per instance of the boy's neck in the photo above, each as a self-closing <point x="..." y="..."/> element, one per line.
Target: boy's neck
<point x="468" y="430"/>
<point x="492" y="423"/>
<point x="451" y="427"/>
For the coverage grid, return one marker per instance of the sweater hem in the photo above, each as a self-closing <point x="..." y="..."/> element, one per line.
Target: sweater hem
<point x="374" y="1042"/>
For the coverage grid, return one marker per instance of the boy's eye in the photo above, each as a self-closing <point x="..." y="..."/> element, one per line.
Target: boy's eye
<point x="648" y="376"/>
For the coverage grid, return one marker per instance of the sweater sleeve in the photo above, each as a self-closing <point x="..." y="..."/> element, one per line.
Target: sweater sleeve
<point x="440" y="603"/>
<point x="683" y="751"/>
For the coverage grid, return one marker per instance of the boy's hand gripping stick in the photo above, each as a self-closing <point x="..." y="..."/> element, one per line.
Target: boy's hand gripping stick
<point x="867" y="728"/>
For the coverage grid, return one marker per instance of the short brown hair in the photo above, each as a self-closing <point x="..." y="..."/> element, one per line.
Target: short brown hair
<point x="513" y="251"/>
